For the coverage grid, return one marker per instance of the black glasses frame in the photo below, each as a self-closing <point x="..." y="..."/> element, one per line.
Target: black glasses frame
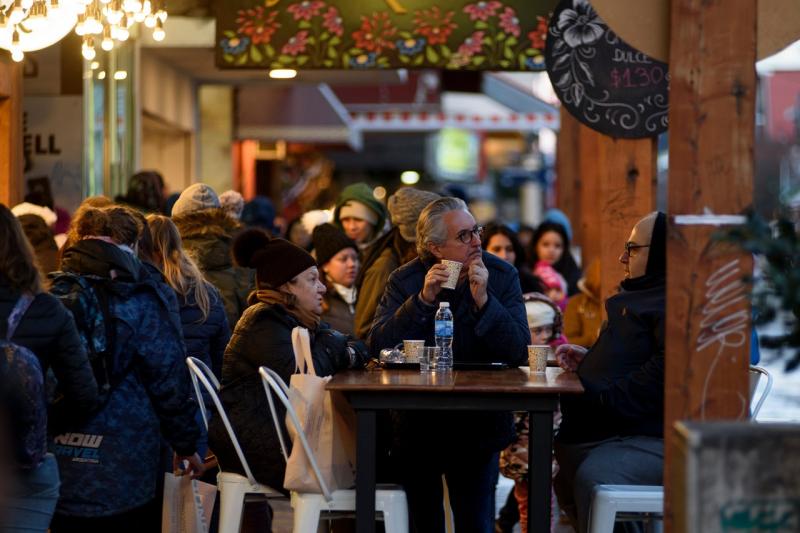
<point x="633" y="246"/>
<point x="465" y="235"/>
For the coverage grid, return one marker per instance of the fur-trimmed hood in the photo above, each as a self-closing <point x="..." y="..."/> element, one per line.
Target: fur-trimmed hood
<point x="208" y="235"/>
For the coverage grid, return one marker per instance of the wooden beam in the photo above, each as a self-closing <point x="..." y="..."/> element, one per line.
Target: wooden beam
<point x="568" y="175"/>
<point x="712" y="121"/>
<point x="589" y="142"/>
<point x="11" y="192"/>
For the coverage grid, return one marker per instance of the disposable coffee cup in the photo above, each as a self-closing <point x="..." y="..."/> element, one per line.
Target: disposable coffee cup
<point x="453" y="270"/>
<point x="413" y="349"/>
<point x="537" y="358"/>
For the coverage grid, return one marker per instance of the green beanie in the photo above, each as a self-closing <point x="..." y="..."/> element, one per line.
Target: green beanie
<point x="361" y="193"/>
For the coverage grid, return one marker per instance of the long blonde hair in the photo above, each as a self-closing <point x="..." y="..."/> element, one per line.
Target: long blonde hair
<point x="181" y="272"/>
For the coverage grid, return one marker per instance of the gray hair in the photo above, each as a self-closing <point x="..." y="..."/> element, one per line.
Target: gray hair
<point x="430" y="228"/>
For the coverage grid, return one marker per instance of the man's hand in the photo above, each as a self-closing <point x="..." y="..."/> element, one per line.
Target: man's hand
<point x="196" y="466"/>
<point x="433" y="283"/>
<point x="478" y="281"/>
<point x="569" y="356"/>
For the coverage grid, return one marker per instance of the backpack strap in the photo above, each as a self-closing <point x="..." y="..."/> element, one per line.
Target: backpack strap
<point x="20" y="308"/>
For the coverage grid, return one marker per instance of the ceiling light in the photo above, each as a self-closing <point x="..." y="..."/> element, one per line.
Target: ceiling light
<point x="282" y="73"/>
<point x="120" y="74"/>
<point x="410" y="177"/>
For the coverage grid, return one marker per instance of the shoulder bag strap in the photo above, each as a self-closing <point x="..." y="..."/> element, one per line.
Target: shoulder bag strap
<point x="302" y="351"/>
<point x="20" y="308"/>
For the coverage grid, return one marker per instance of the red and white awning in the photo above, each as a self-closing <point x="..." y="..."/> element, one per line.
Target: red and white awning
<point x="423" y="121"/>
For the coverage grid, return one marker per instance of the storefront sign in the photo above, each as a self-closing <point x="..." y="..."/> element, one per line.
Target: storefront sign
<point x="606" y="84"/>
<point x="364" y="34"/>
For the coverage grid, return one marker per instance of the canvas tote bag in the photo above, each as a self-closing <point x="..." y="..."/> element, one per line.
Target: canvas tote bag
<point x="328" y="422"/>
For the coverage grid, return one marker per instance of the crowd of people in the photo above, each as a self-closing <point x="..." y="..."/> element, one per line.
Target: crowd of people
<point x="112" y="303"/>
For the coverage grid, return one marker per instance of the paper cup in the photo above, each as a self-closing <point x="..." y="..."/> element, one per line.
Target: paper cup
<point x="537" y="358"/>
<point x="413" y="350"/>
<point x="453" y="270"/>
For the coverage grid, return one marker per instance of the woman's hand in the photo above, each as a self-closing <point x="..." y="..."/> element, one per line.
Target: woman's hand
<point x="569" y="356"/>
<point x="195" y="469"/>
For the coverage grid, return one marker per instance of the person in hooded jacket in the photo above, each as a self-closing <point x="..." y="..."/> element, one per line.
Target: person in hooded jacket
<point x="621" y="414"/>
<point x="584" y="313"/>
<point x="360" y="215"/>
<point x="207" y="232"/>
<point x="109" y="473"/>
<point x="48" y="330"/>
<point x="289" y="295"/>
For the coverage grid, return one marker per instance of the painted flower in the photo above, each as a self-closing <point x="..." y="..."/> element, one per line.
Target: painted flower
<point x="235" y="45"/>
<point x="509" y="22"/>
<point x="363" y="60"/>
<point x="433" y="25"/>
<point x="539" y="35"/>
<point x="471" y="45"/>
<point x="332" y="21"/>
<point x="535" y="62"/>
<point x="306" y="9"/>
<point x="296" y="44"/>
<point x="482" y="10"/>
<point x="411" y="47"/>
<point x="580" y="26"/>
<point x="375" y="33"/>
<point x="257" y="24"/>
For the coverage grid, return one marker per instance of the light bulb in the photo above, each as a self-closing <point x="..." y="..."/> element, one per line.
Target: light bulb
<point x="132" y="6"/>
<point x="27" y="4"/>
<point x="162" y="15"/>
<point x="159" y="33"/>
<point x="120" y="74"/>
<point x="113" y="16"/>
<point x="147" y="7"/>
<point x="138" y="16"/>
<point x="87" y="49"/>
<point x="17" y="55"/>
<point x="107" y="43"/>
<point x="122" y="34"/>
<point x="95" y="65"/>
<point x="101" y="75"/>
<point x="17" y="13"/>
<point x="150" y="21"/>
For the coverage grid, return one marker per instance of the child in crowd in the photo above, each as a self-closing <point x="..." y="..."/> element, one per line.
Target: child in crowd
<point x="555" y="286"/>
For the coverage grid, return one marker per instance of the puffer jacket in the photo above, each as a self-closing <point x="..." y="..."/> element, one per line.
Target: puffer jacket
<point x="48" y="330"/>
<point x="263" y="337"/>
<point x="339" y="315"/>
<point x="584" y="314"/>
<point x="498" y="332"/>
<point x="207" y="236"/>
<point x="205" y="339"/>
<point x="110" y="464"/>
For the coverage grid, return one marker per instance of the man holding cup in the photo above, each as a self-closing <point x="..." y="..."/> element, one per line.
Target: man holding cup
<point x="489" y="326"/>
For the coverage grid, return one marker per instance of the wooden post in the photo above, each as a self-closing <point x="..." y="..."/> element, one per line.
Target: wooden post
<point x="568" y="182"/>
<point x="11" y="192"/>
<point x="590" y="142"/>
<point x="712" y="121"/>
<point x="627" y="193"/>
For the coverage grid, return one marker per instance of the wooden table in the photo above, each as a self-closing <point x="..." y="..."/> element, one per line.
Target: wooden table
<point x="469" y="390"/>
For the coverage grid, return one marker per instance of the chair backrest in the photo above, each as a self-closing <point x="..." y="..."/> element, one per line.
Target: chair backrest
<point x="279" y="388"/>
<point x="755" y="374"/>
<point x="272" y="410"/>
<point x="200" y="372"/>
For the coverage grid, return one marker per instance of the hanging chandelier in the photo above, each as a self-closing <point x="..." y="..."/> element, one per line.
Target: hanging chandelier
<point x="27" y="25"/>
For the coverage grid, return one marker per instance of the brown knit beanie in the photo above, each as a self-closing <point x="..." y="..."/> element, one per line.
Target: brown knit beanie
<point x="405" y="207"/>
<point x="328" y="241"/>
<point x="276" y="261"/>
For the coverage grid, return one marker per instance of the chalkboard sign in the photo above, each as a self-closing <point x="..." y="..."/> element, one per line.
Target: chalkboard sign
<point x="603" y="82"/>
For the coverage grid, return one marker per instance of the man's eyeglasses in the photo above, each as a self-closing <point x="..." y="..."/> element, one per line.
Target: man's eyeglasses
<point x="465" y="235"/>
<point x="633" y="246"/>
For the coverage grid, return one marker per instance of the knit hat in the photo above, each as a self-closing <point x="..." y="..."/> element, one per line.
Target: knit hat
<point x="27" y="208"/>
<point x="195" y="198"/>
<point x="315" y="217"/>
<point x="232" y="202"/>
<point x="358" y="201"/>
<point x="276" y="261"/>
<point x="405" y="207"/>
<point x="539" y="314"/>
<point x="259" y="212"/>
<point x="329" y="241"/>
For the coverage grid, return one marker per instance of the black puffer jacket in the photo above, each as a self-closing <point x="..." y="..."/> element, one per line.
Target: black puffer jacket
<point x="205" y="339"/>
<point x="623" y="373"/>
<point x="49" y="331"/>
<point x="263" y="337"/>
<point x="207" y="236"/>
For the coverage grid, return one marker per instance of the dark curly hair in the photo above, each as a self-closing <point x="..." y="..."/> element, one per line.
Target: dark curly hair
<point x="17" y="263"/>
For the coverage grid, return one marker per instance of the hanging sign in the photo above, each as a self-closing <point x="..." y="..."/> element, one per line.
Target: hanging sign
<point x="367" y="34"/>
<point x="602" y="81"/>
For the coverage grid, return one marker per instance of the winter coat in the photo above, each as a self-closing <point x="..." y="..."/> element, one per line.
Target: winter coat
<point x="263" y="337"/>
<point x="41" y="238"/>
<point x="48" y="330"/>
<point x="110" y="464"/>
<point x="205" y="339"/>
<point x="498" y="332"/>
<point x="339" y="315"/>
<point x="207" y="236"/>
<point x="583" y="316"/>
<point x="622" y="373"/>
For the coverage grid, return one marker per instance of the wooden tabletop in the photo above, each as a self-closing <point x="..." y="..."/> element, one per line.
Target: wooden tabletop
<point x="513" y="380"/>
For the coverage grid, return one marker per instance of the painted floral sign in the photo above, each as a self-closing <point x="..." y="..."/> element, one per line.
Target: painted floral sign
<point x="358" y="34"/>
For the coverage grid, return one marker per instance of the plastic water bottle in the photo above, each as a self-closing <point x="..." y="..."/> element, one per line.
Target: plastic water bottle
<point x="443" y="334"/>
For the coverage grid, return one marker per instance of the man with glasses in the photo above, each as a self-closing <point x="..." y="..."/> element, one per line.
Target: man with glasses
<point x="490" y="325"/>
<point x="614" y="433"/>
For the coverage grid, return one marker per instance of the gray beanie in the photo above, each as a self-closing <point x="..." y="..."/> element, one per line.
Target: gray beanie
<point x="233" y="203"/>
<point x="195" y="198"/>
<point x="405" y="207"/>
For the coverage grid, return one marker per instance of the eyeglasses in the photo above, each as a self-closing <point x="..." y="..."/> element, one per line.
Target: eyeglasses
<point x="633" y="246"/>
<point x="465" y="235"/>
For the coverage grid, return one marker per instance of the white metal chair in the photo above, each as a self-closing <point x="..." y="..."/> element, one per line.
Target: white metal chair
<point x="609" y="500"/>
<point x="309" y="507"/>
<point x="233" y="487"/>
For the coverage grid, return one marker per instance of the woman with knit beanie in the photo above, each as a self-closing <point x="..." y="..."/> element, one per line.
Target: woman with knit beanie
<point x="289" y="294"/>
<point x="360" y="214"/>
<point x="337" y="259"/>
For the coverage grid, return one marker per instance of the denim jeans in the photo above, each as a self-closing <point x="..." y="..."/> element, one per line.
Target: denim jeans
<point x="33" y="500"/>
<point x="471" y="480"/>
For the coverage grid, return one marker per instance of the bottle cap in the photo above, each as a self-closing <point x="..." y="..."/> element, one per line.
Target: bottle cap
<point x="444" y="304"/>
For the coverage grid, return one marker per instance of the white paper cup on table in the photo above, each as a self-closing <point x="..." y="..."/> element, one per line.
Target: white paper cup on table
<point x="453" y="270"/>
<point x="537" y="357"/>
<point x="413" y="350"/>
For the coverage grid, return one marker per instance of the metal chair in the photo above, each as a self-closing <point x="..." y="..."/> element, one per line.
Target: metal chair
<point x="755" y="377"/>
<point x="309" y="507"/>
<point x="233" y="487"/>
